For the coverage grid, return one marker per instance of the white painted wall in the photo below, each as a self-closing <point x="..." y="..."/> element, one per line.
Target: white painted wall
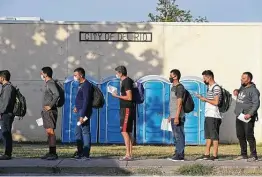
<point x="227" y="49"/>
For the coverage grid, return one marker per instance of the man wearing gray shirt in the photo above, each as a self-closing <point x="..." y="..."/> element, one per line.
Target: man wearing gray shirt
<point x="49" y="112"/>
<point x="177" y="115"/>
<point x="247" y="103"/>
<point x="7" y="103"/>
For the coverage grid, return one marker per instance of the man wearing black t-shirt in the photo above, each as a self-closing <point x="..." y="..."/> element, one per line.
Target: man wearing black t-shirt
<point x="127" y="109"/>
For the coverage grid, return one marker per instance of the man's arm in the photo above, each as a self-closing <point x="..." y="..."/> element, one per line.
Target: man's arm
<point x="128" y="89"/>
<point x="180" y="92"/>
<point x="86" y="99"/>
<point x="55" y="94"/>
<point x="255" y="103"/>
<point x="217" y="94"/>
<point x="5" y="98"/>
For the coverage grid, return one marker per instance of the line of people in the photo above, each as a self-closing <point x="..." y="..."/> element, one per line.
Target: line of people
<point x="248" y="102"/>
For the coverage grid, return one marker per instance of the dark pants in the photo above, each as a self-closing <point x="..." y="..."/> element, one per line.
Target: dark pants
<point x="83" y="138"/>
<point x="179" y="137"/>
<point x="6" y="127"/>
<point x="245" y="132"/>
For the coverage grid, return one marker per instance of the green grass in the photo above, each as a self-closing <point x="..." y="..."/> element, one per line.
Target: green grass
<point x="142" y="152"/>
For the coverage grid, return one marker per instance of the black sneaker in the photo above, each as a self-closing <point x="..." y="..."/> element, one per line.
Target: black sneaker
<point x="5" y="157"/>
<point x="177" y="158"/>
<point x="45" y="156"/>
<point x="213" y="158"/>
<point x="204" y="157"/>
<point x="253" y="159"/>
<point x="77" y="155"/>
<point x="242" y="157"/>
<point x="52" y="157"/>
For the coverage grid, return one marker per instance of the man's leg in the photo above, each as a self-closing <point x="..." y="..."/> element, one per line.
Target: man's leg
<point x="249" y="129"/>
<point x="173" y="126"/>
<point x="241" y="135"/>
<point x="208" y="127"/>
<point x="215" y="137"/>
<point x="131" y="144"/>
<point x="179" y="134"/>
<point x="86" y="138"/>
<point x="79" y="142"/>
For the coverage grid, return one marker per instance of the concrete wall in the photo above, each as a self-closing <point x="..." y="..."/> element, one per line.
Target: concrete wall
<point x="227" y="49"/>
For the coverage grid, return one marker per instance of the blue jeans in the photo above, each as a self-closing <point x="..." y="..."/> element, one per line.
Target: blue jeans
<point x="179" y="137"/>
<point x="83" y="138"/>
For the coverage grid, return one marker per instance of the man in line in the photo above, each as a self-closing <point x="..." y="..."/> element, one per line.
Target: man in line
<point x="247" y="103"/>
<point x="213" y="117"/>
<point x="7" y="103"/>
<point x="49" y="112"/>
<point x="177" y="115"/>
<point x="127" y="109"/>
<point x="83" y="107"/>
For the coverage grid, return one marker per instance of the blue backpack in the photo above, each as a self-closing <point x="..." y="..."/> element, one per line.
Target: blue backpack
<point x="138" y="93"/>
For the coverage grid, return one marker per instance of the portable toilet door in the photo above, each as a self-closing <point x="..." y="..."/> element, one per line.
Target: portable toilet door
<point x="194" y="124"/>
<point x="69" y="119"/>
<point x="109" y="125"/>
<point x="154" y="109"/>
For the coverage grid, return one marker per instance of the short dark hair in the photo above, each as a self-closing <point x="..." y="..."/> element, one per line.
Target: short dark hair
<point x="81" y="71"/>
<point x="177" y="73"/>
<point x="122" y="70"/>
<point x="249" y="74"/>
<point x="5" y="74"/>
<point x="208" y="73"/>
<point x="48" y="71"/>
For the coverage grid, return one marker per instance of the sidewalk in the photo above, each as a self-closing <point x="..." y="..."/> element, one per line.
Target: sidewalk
<point x="17" y="165"/>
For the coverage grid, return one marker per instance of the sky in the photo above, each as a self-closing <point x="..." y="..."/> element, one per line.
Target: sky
<point x="130" y="10"/>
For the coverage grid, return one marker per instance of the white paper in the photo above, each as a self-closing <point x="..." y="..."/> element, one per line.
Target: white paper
<point x="111" y="89"/>
<point x="39" y="122"/>
<point x="79" y="123"/>
<point x="242" y="118"/>
<point x="165" y="125"/>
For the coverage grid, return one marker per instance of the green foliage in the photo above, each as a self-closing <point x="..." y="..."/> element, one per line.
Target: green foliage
<point x="168" y="11"/>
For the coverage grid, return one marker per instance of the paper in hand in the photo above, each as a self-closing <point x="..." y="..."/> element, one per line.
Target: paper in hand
<point x="39" y="122"/>
<point x="111" y="89"/>
<point x="166" y="126"/>
<point x="242" y="118"/>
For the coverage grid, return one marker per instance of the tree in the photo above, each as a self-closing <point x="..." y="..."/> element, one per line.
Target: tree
<point x="168" y="11"/>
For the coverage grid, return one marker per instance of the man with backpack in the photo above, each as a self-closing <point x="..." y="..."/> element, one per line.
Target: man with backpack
<point x="127" y="109"/>
<point x="83" y="107"/>
<point x="7" y="103"/>
<point x="247" y="103"/>
<point x="49" y="113"/>
<point x="213" y="116"/>
<point x="177" y="114"/>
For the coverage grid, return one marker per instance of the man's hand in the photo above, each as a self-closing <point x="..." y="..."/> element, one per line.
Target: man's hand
<point x="176" y="120"/>
<point x="247" y="116"/>
<point x="200" y="97"/>
<point x="114" y="94"/>
<point x="169" y="119"/>
<point x="235" y="92"/>
<point x="75" y="110"/>
<point x="47" y="108"/>
<point x="81" y="120"/>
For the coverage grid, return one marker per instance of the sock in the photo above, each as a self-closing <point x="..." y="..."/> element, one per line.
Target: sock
<point x="52" y="150"/>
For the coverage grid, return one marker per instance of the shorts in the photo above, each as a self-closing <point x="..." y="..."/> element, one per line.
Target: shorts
<point x="49" y="119"/>
<point x="212" y="126"/>
<point x="127" y="117"/>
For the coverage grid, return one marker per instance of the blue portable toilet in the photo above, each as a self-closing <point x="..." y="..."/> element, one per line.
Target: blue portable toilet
<point x="109" y="124"/>
<point x="152" y="111"/>
<point x="69" y="118"/>
<point x="194" y="125"/>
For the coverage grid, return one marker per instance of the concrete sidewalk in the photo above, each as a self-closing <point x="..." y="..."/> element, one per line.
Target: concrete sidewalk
<point x="17" y="165"/>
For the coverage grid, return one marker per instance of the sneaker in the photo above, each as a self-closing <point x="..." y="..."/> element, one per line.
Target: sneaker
<point x="177" y="158"/>
<point x="213" y="158"/>
<point x="242" y="157"/>
<point x="52" y="157"/>
<point x="45" y="156"/>
<point x="204" y="157"/>
<point x="85" y="158"/>
<point x="5" y="157"/>
<point x="125" y="158"/>
<point x="253" y="159"/>
<point x="170" y="158"/>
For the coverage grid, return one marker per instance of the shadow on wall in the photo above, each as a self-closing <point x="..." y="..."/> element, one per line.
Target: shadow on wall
<point x="26" y="47"/>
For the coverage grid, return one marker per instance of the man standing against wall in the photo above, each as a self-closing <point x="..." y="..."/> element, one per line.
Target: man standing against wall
<point x="177" y="115"/>
<point x="213" y="117"/>
<point x="49" y="112"/>
<point x="127" y="109"/>
<point x="247" y="103"/>
<point x="83" y="107"/>
<point x="7" y="103"/>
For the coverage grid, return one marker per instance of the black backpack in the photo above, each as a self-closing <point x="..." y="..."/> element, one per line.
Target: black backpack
<point x="20" y="104"/>
<point x="98" y="97"/>
<point x="61" y="100"/>
<point x="225" y="101"/>
<point x="188" y="102"/>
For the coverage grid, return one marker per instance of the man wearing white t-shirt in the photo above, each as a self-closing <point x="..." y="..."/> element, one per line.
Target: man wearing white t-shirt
<point x="213" y="117"/>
